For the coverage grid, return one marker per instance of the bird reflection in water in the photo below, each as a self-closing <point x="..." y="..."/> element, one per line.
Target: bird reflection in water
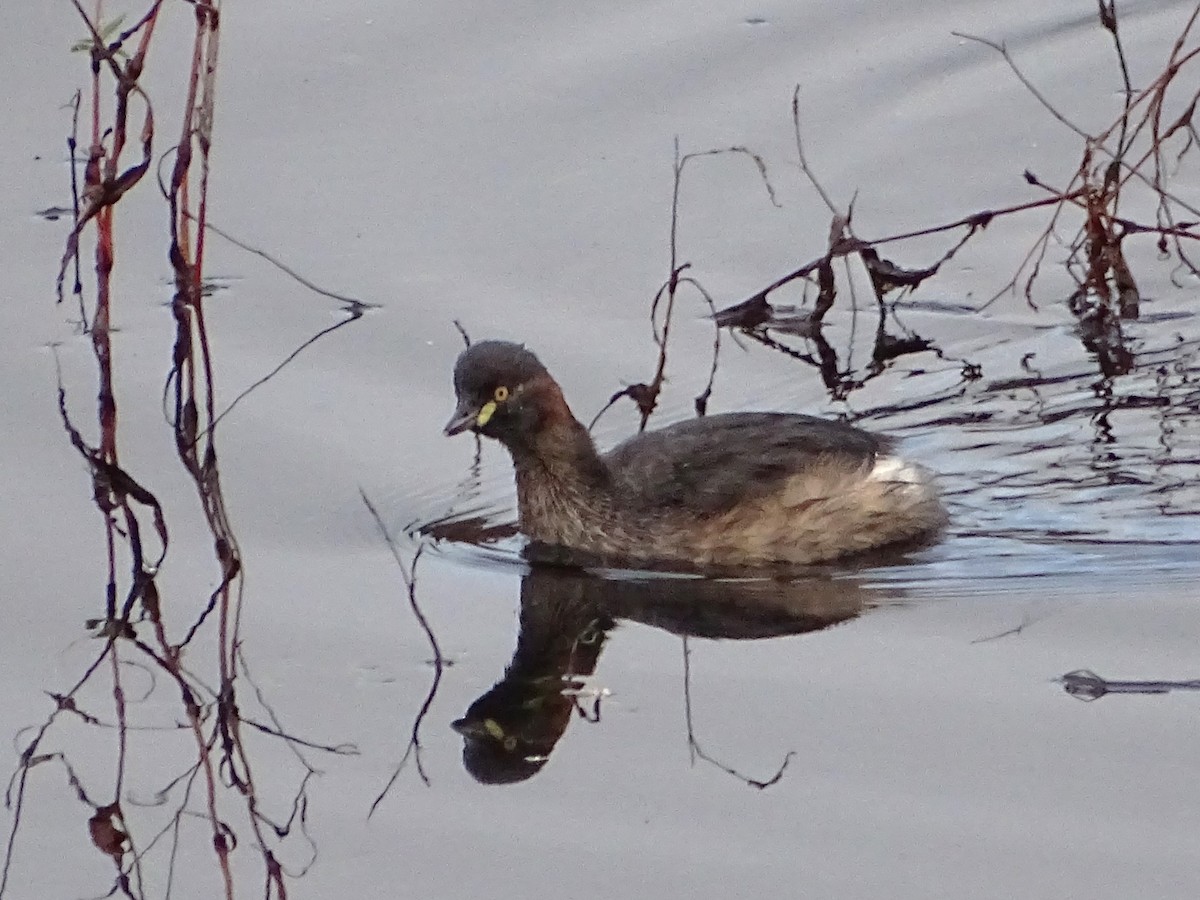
<point x="565" y="620"/>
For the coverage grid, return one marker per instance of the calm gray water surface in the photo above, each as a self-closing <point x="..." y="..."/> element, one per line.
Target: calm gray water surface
<point x="510" y="167"/>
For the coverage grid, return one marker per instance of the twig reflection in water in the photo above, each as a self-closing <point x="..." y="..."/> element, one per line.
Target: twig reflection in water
<point x="1086" y="685"/>
<point x="565" y="619"/>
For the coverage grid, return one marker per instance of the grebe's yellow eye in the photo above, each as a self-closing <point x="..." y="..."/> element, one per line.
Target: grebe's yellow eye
<point x="501" y="394"/>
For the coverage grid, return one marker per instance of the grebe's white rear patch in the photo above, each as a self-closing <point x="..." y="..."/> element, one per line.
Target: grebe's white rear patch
<point x="896" y="470"/>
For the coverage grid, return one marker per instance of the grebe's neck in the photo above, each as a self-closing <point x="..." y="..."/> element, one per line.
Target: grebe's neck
<point x="561" y="479"/>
